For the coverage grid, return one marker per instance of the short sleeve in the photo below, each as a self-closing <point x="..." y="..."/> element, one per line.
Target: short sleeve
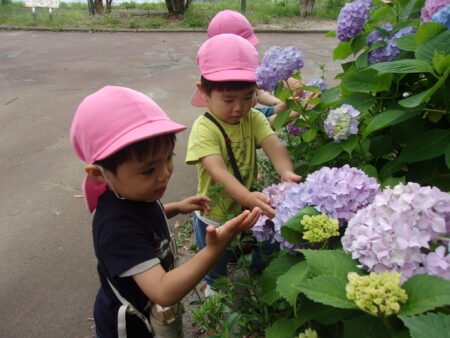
<point x="204" y="140"/>
<point x="261" y="126"/>
<point x="123" y="244"/>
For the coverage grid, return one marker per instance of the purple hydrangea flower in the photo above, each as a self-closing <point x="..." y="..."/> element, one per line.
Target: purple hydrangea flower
<point x="392" y="232"/>
<point x="342" y="122"/>
<point x="442" y="16"/>
<point x="340" y="192"/>
<point x="278" y="65"/>
<point x="376" y="36"/>
<point x="438" y="263"/>
<point x="431" y="7"/>
<point x="390" y="51"/>
<point x="351" y="19"/>
<point x="317" y="83"/>
<point x="263" y="230"/>
<point x="295" y="131"/>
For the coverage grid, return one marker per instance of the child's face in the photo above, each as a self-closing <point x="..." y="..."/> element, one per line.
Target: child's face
<point x="231" y="106"/>
<point x="143" y="180"/>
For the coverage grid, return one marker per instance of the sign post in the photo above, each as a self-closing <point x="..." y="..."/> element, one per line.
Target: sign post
<point x="42" y="3"/>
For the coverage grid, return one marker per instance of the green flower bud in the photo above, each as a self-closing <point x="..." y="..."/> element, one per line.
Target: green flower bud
<point x="319" y="228"/>
<point x="377" y="294"/>
<point x="308" y="334"/>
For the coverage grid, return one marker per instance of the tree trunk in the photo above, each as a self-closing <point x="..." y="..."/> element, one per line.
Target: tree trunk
<point x="108" y="6"/>
<point x="303" y="7"/>
<point x="98" y="6"/>
<point x="169" y="6"/>
<point x="310" y="7"/>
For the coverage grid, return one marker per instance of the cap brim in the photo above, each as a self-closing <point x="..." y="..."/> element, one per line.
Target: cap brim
<point x="197" y="100"/>
<point x="92" y="190"/>
<point x="253" y="40"/>
<point x="146" y="130"/>
<point x="232" y="75"/>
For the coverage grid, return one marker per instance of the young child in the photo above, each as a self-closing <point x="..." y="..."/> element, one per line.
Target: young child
<point x="228" y="65"/>
<point x="127" y="142"/>
<point x="232" y="22"/>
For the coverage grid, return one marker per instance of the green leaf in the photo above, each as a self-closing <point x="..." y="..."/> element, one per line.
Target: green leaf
<point x="309" y="135"/>
<point x="381" y="145"/>
<point x="440" y="43"/>
<point x="349" y="144"/>
<point x="281" y="118"/>
<point x="392" y="182"/>
<point x="328" y="290"/>
<point x="287" y="283"/>
<point x="436" y="325"/>
<point x="326" y="153"/>
<point x="331" y="34"/>
<point x="369" y="169"/>
<point x="292" y="229"/>
<point x="415" y="100"/>
<point x="367" y="80"/>
<point x="342" y="51"/>
<point x="365" y="326"/>
<point x="427" y="31"/>
<point x="231" y="320"/>
<point x="390" y="168"/>
<point x="362" y="61"/>
<point x="403" y="66"/>
<point x="285" y="328"/>
<point x="358" y="43"/>
<point x="425" y="292"/>
<point x="334" y="263"/>
<point x="268" y="279"/>
<point x="430" y="144"/>
<point x="440" y="62"/>
<point x="388" y="118"/>
<point x="407" y="42"/>
<point x="330" y="95"/>
<point x="359" y="101"/>
<point x="380" y="13"/>
<point x="447" y="156"/>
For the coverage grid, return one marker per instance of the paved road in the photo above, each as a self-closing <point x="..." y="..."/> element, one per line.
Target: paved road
<point x="49" y="280"/>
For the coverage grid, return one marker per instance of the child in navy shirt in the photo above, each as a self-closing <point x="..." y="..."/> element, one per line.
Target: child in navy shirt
<point x="127" y="142"/>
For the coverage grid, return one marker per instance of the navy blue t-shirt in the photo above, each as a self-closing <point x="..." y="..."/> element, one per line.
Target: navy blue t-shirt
<point x="126" y="233"/>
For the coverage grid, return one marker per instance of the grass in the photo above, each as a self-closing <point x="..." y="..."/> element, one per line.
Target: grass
<point x="154" y="16"/>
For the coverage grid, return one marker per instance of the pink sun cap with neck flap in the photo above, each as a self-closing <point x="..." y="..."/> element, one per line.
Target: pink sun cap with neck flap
<point x="232" y="22"/>
<point x="108" y="121"/>
<point x="226" y="57"/>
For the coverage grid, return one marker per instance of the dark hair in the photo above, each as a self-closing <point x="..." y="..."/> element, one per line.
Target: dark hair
<point x="208" y="86"/>
<point x="139" y="150"/>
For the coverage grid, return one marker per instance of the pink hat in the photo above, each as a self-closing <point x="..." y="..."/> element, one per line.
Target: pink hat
<point x="232" y="22"/>
<point x="109" y="120"/>
<point x="226" y="57"/>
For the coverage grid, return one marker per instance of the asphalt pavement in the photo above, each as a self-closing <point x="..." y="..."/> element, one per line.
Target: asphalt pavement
<point x="48" y="267"/>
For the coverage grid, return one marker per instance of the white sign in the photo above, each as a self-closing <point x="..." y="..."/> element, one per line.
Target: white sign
<point x="42" y="3"/>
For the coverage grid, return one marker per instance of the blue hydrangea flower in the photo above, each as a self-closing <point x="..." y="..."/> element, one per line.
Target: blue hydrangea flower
<point x="442" y="16"/>
<point x="293" y="130"/>
<point x="389" y="51"/>
<point x="342" y="122"/>
<point x="318" y="83"/>
<point x="376" y="36"/>
<point x="278" y="65"/>
<point x="431" y="7"/>
<point x="351" y="19"/>
<point x="340" y="192"/>
<point x="395" y="231"/>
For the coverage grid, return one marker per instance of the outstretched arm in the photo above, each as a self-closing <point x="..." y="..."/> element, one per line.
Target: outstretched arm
<point x="279" y="156"/>
<point x="188" y="205"/>
<point x="216" y="168"/>
<point x="167" y="288"/>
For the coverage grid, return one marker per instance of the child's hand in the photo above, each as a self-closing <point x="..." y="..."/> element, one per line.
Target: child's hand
<point x="195" y="203"/>
<point x="225" y="234"/>
<point x="290" y="176"/>
<point x="258" y="199"/>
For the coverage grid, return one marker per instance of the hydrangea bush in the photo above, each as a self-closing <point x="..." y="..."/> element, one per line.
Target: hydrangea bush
<point x="362" y="244"/>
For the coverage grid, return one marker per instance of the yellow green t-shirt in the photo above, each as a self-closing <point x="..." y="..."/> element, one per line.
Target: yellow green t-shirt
<point x="206" y="139"/>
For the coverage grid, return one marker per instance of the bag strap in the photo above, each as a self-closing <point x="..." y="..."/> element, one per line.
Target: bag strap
<point x="125" y="308"/>
<point x="236" y="172"/>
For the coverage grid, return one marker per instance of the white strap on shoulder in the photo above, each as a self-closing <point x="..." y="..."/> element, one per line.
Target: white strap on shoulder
<point x="127" y="307"/>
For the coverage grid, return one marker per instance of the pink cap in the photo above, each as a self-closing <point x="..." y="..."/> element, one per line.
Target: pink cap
<point x="226" y="57"/>
<point x="232" y="22"/>
<point x="109" y="120"/>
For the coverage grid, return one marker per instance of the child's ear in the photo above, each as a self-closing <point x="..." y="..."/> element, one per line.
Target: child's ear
<point x="202" y="92"/>
<point x="93" y="171"/>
